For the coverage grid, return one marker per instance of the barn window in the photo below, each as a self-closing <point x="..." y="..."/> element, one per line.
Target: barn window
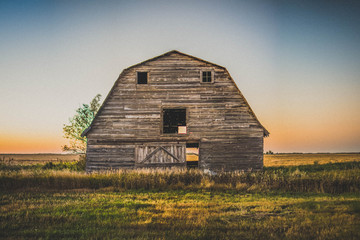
<point x="142" y="77"/>
<point x="174" y="121"/>
<point x="206" y="76"/>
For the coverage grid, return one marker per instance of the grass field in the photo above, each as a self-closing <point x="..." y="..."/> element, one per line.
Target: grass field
<point x="270" y="160"/>
<point x="296" y="159"/>
<point x="284" y="201"/>
<point x="38" y="158"/>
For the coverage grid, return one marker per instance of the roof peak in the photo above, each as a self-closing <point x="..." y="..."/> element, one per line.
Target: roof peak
<point x="178" y="52"/>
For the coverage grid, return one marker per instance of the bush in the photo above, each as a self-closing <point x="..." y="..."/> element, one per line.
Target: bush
<point x="74" y="166"/>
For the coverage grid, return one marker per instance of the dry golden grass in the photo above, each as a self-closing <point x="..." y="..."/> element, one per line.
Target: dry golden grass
<point x="276" y="160"/>
<point x="327" y="178"/>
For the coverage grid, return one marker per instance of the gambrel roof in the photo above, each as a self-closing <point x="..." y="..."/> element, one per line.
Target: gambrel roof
<point x="266" y="133"/>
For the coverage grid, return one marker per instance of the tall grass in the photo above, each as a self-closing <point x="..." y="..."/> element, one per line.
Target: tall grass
<point x="333" y="178"/>
<point x="73" y="166"/>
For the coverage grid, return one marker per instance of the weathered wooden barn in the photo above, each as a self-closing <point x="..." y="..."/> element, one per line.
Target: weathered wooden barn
<point x="175" y="110"/>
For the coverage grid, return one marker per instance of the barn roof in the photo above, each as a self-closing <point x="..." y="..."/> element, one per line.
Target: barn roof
<point x="266" y="133"/>
<point x="171" y="52"/>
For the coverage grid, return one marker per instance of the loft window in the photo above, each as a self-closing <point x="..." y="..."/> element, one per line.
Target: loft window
<point x="174" y="121"/>
<point x="142" y="77"/>
<point x="206" y="76"/>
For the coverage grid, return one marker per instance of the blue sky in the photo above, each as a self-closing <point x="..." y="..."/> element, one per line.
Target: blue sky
<point x="296" y="62"/>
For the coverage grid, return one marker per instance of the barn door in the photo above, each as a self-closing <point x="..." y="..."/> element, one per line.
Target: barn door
<point x="156" y="155"/>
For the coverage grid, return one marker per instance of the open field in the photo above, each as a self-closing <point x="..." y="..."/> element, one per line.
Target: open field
<point x="270" y="160"/>
<point x="296" y="159"/>
<point x="178" y="214"/>
<point x="38" y="158"/>
<point x="56" y="200"/>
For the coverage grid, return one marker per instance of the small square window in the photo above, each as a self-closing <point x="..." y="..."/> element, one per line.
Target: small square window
<point x="142" y="77"/>
<point x="206" y="76"/>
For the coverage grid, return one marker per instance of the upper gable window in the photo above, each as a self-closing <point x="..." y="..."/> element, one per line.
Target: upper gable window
<point x="142" y="77"/>
<point x="206" y="77"/>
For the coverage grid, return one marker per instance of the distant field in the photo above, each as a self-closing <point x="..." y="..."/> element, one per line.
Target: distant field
<point x="275" y="160"/>
<point x="38" y="158"/>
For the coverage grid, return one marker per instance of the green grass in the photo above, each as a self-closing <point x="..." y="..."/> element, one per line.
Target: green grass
<point x="52" y="201"/>
<point x="179" y="214"/>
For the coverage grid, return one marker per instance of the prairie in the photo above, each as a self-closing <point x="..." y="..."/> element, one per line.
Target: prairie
<point x="38" y="158"/>
<point x="289" y="201"/>
<point x="296" y="159"/>
<point x="178" y="214"/>
<point x="270" y="160"/>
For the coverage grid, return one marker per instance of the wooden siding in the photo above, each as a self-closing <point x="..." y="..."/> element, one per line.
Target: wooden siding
<point x="230" y="136"/>
<point x="105" y="156"/>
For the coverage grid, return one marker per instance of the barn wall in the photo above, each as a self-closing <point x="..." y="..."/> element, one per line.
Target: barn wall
<point x="240" y="154"/>
<point x="104" y="157"/>
<point x="218" y="116"/>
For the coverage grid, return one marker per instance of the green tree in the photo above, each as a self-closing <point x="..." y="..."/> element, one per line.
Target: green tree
<point x="78" y="123"/>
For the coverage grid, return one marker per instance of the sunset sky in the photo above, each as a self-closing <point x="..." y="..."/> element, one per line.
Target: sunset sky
<point x="296" y="62"/>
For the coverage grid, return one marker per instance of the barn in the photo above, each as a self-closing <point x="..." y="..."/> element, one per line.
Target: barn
<point x="175" y="110"/>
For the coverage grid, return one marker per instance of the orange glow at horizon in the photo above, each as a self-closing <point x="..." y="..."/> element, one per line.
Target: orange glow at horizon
<point x="299" y="136"/>
<point x="284" y="137"/>
<point x="31" y="144"/>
